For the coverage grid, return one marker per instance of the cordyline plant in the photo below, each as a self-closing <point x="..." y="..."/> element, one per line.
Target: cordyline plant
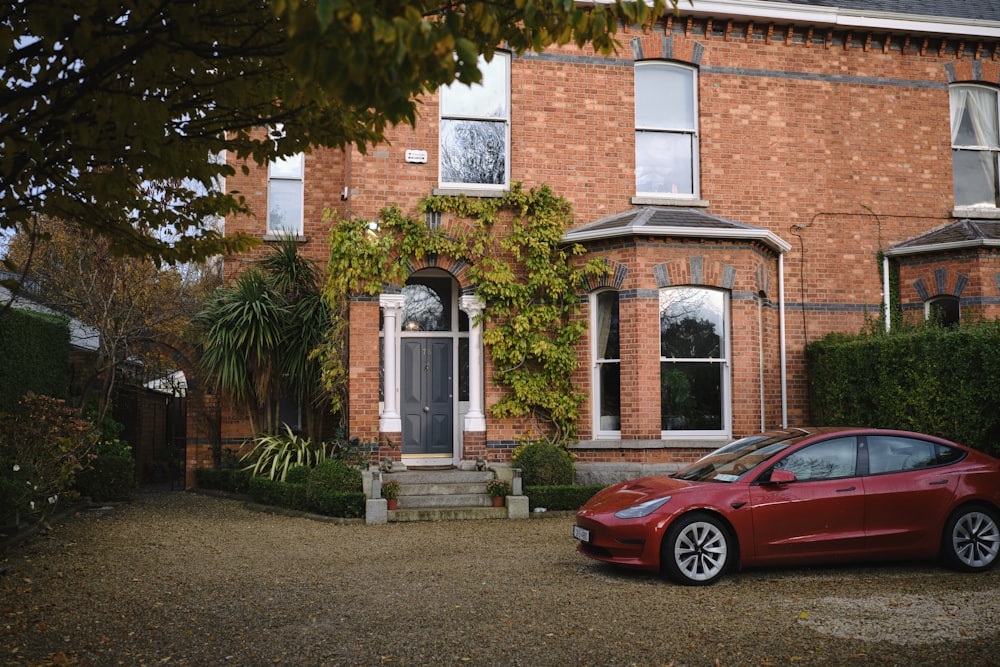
<point x="520" y="267"/>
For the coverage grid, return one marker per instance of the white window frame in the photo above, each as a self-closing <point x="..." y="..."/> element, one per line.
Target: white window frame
<point x="943" y="298"/>
<point x="665" y="128"/>
<point x="725" y="362"/>
<point x="504" y="119"/>
<point x="601" y="431"/>
<point x="982" y="148"/>
<point x="287" y="171"/>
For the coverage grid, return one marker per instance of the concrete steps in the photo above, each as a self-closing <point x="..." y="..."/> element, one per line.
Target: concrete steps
<point x="441" y="495"/>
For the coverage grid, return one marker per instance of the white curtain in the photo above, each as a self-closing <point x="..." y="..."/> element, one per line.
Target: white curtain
<point x="975" y="109"/>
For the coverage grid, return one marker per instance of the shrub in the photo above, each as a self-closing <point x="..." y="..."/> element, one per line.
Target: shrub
<point x="563" y="497"/>
<point x="49" y="442"/>
<point x="334" y="476"/>
<point x="223" y="479"/>
<point x="544" y="464"/>
<point x="280" y="494"/>
<point x="109" y="478"/>
<point x="334" y="488"/>
<point x="111" y="473"/>
<point x="274" y="454"/>
<point x="298" y="474"/>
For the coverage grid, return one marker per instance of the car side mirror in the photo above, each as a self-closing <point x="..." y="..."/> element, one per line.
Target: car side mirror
<point x="782" y="477"/>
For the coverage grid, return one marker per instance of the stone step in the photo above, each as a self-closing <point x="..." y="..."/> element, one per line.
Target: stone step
<point x="446" y="514"/>
<point x="445" y="500"/>
<point x="440" y="476"/>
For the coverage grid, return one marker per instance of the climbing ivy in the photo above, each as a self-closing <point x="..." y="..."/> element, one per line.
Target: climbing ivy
<point x="520" y="268"/>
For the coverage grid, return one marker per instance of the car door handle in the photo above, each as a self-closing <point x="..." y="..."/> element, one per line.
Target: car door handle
<point x="846" y="490"/>
<point x="943" y="481"/>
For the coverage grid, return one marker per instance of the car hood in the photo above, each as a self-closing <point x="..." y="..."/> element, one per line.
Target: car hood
<point x="633" y="492"/>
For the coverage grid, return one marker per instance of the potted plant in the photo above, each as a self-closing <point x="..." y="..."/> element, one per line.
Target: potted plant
<point x="390" y="491"/>
<point x="498" y="489"/>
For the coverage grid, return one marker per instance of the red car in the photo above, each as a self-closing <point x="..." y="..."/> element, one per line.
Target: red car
<point x="803" y="496"/>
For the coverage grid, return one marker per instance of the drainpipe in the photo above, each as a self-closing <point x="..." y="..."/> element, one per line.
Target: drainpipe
<point x="781" y="330"/>
<point x="885" y="292"/>
<point x="760" y="358"/>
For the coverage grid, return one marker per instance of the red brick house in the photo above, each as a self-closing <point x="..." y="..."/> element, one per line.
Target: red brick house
<point x="749" y="169"/>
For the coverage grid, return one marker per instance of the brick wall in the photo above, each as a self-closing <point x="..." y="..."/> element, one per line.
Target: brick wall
<point x="838" y="142"/>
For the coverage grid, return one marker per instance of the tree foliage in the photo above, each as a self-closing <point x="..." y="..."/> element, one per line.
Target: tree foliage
<point x="112" y="111"/>
<point x="134" y="305"/>
<point x="259" y="335"/>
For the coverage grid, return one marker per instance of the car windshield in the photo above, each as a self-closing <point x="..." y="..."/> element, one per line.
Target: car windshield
<point x="737" y="458"/>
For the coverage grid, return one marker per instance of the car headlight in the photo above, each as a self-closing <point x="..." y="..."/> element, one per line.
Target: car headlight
<point x="642" y="509"/>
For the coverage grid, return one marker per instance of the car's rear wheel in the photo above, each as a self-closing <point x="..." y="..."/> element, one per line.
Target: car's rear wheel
<point x="696" y="550"/>
<point x="972" y="539"/>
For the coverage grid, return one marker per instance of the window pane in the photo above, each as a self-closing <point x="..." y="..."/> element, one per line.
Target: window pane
<point x="692" y="323"/>
<point x="664" y="163"/>
<point x="691" y="396"/>
<point x="287" y="167"/>
<point x="463" y="369"/>
<point x="284" y="212"/>
<point x="473" y="152"/>
<point x="826" y="460"/>
<point x="664" y="97"/>
<point x="975" y="177"/>
<point x="607" y="325"/>
<point x="610" y="408"/>
<point x="487" y="99"/>
<point x="944" y="311"/>
<point x="974" y="117"/>
<point x="427" y="306"/>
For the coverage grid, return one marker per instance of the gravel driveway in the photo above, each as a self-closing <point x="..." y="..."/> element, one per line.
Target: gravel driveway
<point x="186" y="579"/>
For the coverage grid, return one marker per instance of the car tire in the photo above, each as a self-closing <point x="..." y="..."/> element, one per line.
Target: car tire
<point x="972" y="539"/>
<point x="697" y="550"/>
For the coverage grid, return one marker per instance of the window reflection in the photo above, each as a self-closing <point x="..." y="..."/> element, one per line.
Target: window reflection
<point x="427" y="306"/>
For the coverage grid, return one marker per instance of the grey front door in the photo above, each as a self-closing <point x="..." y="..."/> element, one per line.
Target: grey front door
<point x="426" y="400"/>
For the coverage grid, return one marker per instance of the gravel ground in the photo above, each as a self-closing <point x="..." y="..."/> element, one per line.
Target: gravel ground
<point x="187" y="579"/>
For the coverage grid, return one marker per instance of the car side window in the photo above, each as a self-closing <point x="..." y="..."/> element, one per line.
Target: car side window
<point x="887" y="453"/>
<point x="829" y="459"/>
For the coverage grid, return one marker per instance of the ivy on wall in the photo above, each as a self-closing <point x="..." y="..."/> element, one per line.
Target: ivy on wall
<point x="520" y="268"/>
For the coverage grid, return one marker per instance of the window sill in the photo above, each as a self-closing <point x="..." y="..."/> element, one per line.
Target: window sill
<point x="709" y="443"/>
<point x="271" y="236"/>
<point x="647" y="200"/>
<point x="468" y="192"/>
<point x="976" y="213"/>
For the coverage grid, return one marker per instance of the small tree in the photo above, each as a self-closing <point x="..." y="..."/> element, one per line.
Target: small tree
<point x="258" y="338"/>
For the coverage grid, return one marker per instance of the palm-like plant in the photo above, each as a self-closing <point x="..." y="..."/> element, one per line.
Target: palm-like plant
<point x="259" y="334"/>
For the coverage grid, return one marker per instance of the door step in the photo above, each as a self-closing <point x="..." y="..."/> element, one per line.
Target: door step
<point x="441" y="495"/>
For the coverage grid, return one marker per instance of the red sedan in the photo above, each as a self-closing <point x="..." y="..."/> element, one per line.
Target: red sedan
<point x="803" y="496"/>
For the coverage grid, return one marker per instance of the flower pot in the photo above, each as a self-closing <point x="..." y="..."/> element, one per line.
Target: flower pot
<point x="498" y="501"/>
<point x="392" y="503"/>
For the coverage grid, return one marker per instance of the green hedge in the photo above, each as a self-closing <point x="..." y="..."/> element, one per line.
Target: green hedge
<point x="108" y="479"/>
<point x="232" y="480"/>
<point x="562" y="497"/>
<point x="280" y="494"/>
<point x="35" y="356"/>
<point x="945" y="382"/>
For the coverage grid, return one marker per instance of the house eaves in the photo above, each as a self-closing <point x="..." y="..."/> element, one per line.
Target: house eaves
<point x="960" y="235"/>
<point x="673" y="222"/>
<point x="974" y="18"/>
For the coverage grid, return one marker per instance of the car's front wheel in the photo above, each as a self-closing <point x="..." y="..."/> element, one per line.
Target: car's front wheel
<point x="696" y="550"/>
<point x="972" y="539"/>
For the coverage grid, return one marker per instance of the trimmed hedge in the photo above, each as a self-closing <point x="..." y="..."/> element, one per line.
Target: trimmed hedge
<point x="945" y="382"/>
<point x="561" y="497"/>
<point x="35" y="358"/>
<point x="232" y="480"/>
<point x="280" y="494"/>
<point x="108" y="479"/>
<point x="543" y="463"/>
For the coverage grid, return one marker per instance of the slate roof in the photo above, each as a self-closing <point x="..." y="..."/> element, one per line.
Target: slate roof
<point x="685" y="222"/>
<point x="984" y="10"/>
<point x="962" y="234"/>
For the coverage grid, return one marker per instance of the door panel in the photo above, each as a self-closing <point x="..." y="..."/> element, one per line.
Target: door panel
<point x="426" y="396"/>
<point x="821" y="515"/>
